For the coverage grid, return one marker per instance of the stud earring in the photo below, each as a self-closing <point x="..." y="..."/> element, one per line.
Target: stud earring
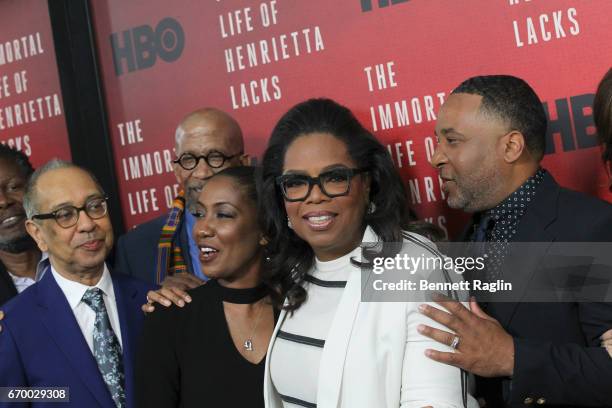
<point x="371" y="208"/>
<point x="289" y="224"/>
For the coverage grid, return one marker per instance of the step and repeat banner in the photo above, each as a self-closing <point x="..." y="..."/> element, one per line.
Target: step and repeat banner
<point x="393" y="62"/>
<point x="31" y="110"/>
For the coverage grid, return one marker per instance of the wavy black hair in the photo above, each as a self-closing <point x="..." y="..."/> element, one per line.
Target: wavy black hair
<point x="246" y="177"/>
<point x="292" y="257"/>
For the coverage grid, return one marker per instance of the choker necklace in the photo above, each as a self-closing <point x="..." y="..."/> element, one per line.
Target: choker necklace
<point x="241" y="296"/>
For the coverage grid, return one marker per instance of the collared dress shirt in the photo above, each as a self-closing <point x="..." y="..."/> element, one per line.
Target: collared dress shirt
<point x="24" y="282"/>
<point x="84" y="315"/>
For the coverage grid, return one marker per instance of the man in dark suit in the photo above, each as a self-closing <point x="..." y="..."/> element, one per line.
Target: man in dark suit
<point x="78" y="326"/>
<point x="162" y="251"/>
<point x="19" y="256"/>
<point x="491" y="139"/>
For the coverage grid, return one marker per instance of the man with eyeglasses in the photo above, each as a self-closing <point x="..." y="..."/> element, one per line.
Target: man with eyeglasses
<point x="163" y="251"/>
<point x="77" y="327"/>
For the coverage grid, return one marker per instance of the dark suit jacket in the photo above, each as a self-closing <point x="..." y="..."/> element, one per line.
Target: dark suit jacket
<point x="41" y="344"/>
<point x="558" y="357"/>
<point x="7" y="287"/>
<point x="136" y="252"/>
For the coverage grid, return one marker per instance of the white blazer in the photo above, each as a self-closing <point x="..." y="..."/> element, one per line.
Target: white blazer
<point x="374" y="356"/>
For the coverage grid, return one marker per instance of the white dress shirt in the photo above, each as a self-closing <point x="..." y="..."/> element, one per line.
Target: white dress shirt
<point x="24" y="282"/>
<point x="84" y="315"/>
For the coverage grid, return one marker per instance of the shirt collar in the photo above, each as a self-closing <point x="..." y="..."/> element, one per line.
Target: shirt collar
<point x="40" y="270"/>
<point x="513" y="203"/>
<point x="42" y="266"/>
<point x="74" y="291"/>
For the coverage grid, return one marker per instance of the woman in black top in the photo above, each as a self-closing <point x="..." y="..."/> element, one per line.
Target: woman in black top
<point x="211" y="352"/>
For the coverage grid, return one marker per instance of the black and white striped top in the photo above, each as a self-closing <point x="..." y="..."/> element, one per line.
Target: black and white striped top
<point x="296" y="354"/>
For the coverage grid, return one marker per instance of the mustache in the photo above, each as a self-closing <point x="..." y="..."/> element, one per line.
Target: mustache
<point x="90" y="237"/>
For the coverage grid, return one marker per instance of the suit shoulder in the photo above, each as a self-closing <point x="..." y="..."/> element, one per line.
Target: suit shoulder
<point x="21" y="306"/>
<point x="128" y="281"/>
<point x="148" y="230"/>
<point x="583" y="206"/>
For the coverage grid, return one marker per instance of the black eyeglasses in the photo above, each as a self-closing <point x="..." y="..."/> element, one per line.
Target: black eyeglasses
<point x="68" y="216"/>
<point x="214" y="159"/>
<point x="333" y="183"/>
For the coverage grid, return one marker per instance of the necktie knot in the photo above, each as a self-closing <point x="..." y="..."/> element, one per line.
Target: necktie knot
<point x="93" y="298"/>
<point x="482" y="229"/>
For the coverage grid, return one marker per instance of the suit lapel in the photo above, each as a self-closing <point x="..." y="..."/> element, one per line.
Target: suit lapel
<point x="270" y="397"/>
<point x="7" y="287"/>
<point x="63" y="328"/>
<point x="130" y="316"/>
<point x="523" y="259"/>
<point x="331" y="368"/>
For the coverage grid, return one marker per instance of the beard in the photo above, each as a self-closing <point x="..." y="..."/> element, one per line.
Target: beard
<point x="476" y="192"/>
<point x="18" y="244"/>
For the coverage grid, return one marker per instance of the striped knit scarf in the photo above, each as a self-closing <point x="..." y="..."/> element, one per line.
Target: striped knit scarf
<point x="170" y="259"/>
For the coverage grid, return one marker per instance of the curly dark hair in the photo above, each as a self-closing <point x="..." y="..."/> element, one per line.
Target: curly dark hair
<point x="19" y="158"/>
<point x="512" y="100"/>
<point x="293" y="257"/>
<point x="602" y="114"/>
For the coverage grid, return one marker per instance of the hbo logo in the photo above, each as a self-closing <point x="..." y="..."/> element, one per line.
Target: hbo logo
<point x="140" y="46"/>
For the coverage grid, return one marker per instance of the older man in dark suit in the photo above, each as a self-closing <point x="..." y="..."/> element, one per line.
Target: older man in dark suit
<point x="78" y="326"/>
<point x="491" y="133"/>
<point x="162" y="251"/>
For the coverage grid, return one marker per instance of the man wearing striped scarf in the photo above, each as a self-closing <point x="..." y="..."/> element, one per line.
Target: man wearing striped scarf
<point x="162" y="251"/>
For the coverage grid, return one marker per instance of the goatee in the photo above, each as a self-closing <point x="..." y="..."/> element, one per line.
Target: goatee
<point x="18" y="245"/>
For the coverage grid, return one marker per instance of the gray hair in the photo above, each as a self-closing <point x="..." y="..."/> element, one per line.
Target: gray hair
<point x="30" y="197"/>
<point x="178" y="137"/>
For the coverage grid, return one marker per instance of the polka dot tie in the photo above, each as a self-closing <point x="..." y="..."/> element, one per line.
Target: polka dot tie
<point x="505" y="219"/>
<point x="107" y="350"/>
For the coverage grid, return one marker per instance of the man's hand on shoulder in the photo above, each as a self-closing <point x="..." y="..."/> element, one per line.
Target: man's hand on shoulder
<point x="174" y="290"/>
<point x="606" y="341"/>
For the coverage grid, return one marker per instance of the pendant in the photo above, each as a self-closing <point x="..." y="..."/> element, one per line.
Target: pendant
<point x="248" y="345"/>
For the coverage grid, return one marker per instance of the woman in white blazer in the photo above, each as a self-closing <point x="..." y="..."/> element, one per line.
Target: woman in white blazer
<point x="328" y="187"/>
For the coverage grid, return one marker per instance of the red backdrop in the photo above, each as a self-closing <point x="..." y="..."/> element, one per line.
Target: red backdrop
<point x="391" y="61"/>
<point x="31" y="109"/>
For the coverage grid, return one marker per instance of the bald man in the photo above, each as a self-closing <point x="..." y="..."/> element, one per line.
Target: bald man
<point x="206" y="142"/>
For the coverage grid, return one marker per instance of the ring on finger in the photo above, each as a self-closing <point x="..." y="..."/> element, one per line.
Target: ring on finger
<point x="455" y="343"/>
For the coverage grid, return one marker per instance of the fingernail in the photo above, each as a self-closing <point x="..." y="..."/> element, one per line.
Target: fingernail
<point x="166" y="303"/>
<point x="181" y="303"/>
<point x="188" y="299"/>
<point x="428" y="353"/>
<point x="421" y="328"/>
<point x="422" y="308"/>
